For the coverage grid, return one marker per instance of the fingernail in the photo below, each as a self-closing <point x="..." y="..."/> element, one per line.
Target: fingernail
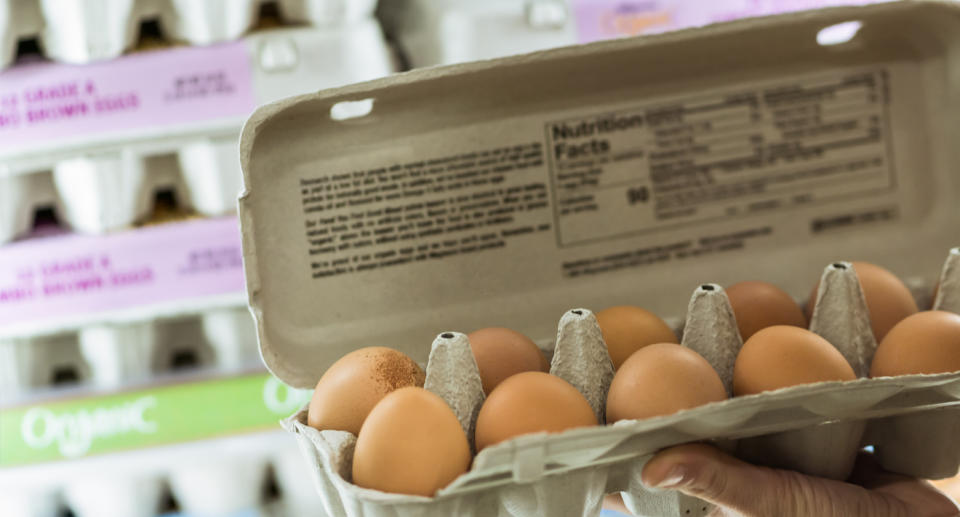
<point x="674" y="478"/>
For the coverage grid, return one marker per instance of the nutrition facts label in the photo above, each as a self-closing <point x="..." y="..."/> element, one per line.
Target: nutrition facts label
<point x="726" y="154"/>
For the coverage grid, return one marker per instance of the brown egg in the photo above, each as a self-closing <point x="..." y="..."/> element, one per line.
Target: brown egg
<point x="501" y="352"/>
<point x="531" y="402"/>
<point x="661" y="379"/>
<point x="758" y="305"/>
<point x="888" y="299"/>
<point x="411" y="443"/>
<point x="927" y="342"/>
<point x="354" y="384"/>
<point x="782" y="356"/>
<point x="627" y="329"/>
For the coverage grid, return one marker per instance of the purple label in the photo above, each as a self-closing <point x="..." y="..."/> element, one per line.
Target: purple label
<point x="41" y="102"/>
<point x="606" y="19"/>
<point x="84" y="275"/>
<point x="734" y="10"/>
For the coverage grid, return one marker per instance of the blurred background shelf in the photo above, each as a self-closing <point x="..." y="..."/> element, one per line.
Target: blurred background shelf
<point x="130" y="377"/>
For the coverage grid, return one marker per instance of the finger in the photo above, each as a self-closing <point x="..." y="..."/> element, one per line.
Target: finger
<point x="707" y="473"/>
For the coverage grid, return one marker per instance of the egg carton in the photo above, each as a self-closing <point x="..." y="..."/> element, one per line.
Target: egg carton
<point x="224" y="477"/>
<point x="911" y="421"/>
<point x="593" y="223"/>
<point x="100" y="171"/>
<point x="83" y="31"/>
<point x="110" y="355"/>
<point x="434" y="32"/>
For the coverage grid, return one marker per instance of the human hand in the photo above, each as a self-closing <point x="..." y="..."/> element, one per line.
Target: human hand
<point x="741" y="489"/>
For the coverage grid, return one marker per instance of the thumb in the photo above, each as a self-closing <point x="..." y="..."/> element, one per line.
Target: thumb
<point x="703" y="471"/>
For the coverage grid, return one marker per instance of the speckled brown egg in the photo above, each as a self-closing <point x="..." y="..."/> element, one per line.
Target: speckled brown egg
<point x="411" y="443"/>
<point x="661" y="379"/>
<point x="927" y="342"/>
<point x="782" y="356"/>
<point x="888" y="298"/>
<point x="501" y="352"/>
<point x="758" y="305"/>
<point x="627" y="329"/>
<point x="531" y="402"/>
<point x="353" y="385"/>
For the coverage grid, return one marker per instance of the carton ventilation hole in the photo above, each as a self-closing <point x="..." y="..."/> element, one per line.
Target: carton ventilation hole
<point x="446" y="335"/>
<point x="45" y="217"/>
<point x="838" y="265"/>
<point x="347" y="110"/>
<point x="184" y="359"/>
<point x="271" y="488"/>
<point x="64" y="375"/>
<point x="707" y="287"/>
<point x="28" y="49"/>
<point x="838" y="34"/>
<point x="268" y="16"/>
<point x="150" y="29"/>
<point x="169" y="503"/>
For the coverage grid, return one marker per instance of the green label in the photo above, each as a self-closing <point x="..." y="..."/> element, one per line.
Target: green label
<point x="156" y="416"/>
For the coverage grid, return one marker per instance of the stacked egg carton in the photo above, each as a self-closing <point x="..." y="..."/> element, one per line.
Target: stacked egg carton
<point x="109" y="356"/>
<point x="177" y="325"/>
<point x="101" y="175"/>
<point x="268" y="475"/>
<point x="95" y="143"/>
<point x="818" y="429"/>
<point x="82" y="31"/>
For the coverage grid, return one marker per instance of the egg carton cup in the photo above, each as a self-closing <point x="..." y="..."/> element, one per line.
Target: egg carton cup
<point x="110" y="355"/>
<point x="213" y="478"/>
<point x="100" y="177"/>
<point x="817" y="429"/>
<point x="83" y="31"/>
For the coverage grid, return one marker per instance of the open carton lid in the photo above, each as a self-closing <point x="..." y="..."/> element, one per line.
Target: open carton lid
<point x="504" y="192"/>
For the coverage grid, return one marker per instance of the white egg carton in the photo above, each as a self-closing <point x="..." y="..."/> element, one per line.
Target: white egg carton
<point x="516" y="188"/>
<point x="108" y="310"/>
<point x="110" y="355"/>
<point x="435" y="32"/>
<point x="82" y="31"/>
<point x="213" y="478"/>
<point x="100" y="171"/>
